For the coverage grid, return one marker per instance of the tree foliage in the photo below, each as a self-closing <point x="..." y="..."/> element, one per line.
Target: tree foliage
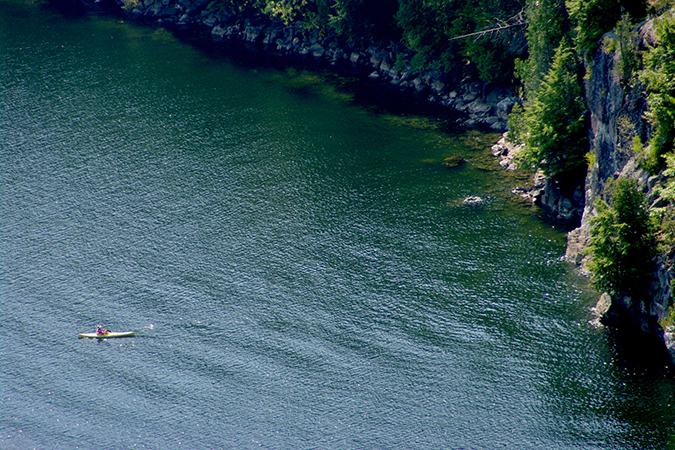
<point x="548" y="24"/>
<point x="557" y="119"/>
<point x="659" y="76"/>
<point x="593" y="18"/>
<point x="365" y="19"/>
<point x="554" y="122"/>
<point x="623" y="242"/>
<point x="430" y="26"/>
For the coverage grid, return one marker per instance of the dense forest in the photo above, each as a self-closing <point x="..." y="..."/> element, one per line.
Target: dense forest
<point x="433" y="30"/>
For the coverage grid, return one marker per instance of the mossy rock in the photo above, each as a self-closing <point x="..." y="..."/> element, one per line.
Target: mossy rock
<point x="453" y="161"/>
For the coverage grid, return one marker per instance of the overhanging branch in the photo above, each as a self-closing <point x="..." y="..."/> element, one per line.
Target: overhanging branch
<point x="516" y="21"/>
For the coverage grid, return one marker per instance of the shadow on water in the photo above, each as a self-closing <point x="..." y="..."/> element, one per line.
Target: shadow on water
<point x="373" y="94"/>
<point x="68" y="8"/>
<point x="643" y="388"/>
<point x="640" y="354"/>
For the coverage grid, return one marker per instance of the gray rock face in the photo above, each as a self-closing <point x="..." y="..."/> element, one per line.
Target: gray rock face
<point x="505" y="106"/>
<point x="617" y="117"/>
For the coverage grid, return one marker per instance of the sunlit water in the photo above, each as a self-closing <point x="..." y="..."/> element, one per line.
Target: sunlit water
<point x="301" y="272"/>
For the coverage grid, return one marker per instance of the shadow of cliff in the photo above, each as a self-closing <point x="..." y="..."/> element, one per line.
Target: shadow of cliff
<point x="640" y="353"/>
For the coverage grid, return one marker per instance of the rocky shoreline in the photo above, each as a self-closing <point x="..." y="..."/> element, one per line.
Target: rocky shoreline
<point x="476" y="104"/>
<point x="563" y="208"/>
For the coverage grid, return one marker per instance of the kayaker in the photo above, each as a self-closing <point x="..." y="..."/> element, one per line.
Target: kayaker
<point x="101" y="331"/>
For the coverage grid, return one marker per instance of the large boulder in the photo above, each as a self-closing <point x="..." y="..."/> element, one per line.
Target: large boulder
<point x="505" y="106"/>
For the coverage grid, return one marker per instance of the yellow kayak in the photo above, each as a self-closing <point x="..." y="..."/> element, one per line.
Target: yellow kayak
<point x="110" y="334"/>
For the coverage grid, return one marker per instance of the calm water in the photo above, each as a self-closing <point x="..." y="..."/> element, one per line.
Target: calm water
<point x="300" y="270"/>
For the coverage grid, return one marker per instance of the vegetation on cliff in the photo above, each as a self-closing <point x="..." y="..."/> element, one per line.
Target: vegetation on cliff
<point x="659" y="77"/>
<point x="623" y="242"/>
<point x="428" y="29"/>
<point x="553" y="122"/>
<point x="628" y="234"/>
<point x="557" y="119"/>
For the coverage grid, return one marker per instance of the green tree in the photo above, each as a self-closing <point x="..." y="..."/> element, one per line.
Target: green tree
<point x="370" y="19"/>
<point x="287" y="10"/>
<point x="430" y="27"/>
<point x="547" y="24"/>
<point x="427" y="27"/>
<point x="623" y="243"/>
<point x="557" y="120"/>
<point x="659" y="76"/>
<point x="594" y="18"/>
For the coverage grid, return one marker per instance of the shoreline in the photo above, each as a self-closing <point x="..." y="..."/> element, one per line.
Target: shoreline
<point x="470" y="103"/>
<point x="383" y="77"/>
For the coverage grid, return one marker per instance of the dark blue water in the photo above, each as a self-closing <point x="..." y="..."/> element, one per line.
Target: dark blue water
<point x="301" y="272"/>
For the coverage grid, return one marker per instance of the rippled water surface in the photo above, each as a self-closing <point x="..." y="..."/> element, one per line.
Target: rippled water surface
<point x="300" y="271"/>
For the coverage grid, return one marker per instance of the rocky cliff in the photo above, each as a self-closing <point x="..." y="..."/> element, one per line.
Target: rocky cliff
<point x="618" y="107"/>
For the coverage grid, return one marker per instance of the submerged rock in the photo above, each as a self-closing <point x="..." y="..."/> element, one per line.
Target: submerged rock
<point x="453" y="161"/>
<point x="474" y="200"/>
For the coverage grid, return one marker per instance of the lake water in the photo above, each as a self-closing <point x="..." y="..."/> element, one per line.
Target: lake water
<point x="299" y="268"/>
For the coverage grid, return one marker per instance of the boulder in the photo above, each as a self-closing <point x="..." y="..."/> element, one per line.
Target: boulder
<point x="253" y="33"/>
<point x="386" y="67"/>
<point x="505" y="106"/>
<point x="218" y="32"/>
<point x="317" y="50"/>
<point x="211" y="21"/>
<point x="437" y="86"/>
<point x="376" y="59"/>
<point x="479" y="107"/>
<point x="419" y="84"/>
<point x="603" y="304"/>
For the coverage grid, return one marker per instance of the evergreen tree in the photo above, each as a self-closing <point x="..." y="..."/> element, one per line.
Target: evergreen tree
<point x="547" y="24"/>
<point x="623" y="243"/>
<point x="557" y="119"/>
<point x="371" y="19"/>
<point x="659" y="75"/>
<point x="430" y="27"/>
<point x="596" y="17"/>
